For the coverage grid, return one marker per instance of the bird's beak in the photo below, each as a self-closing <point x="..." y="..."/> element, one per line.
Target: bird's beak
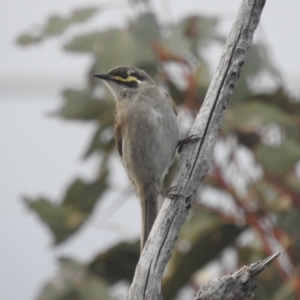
<point x="102" y="76"/>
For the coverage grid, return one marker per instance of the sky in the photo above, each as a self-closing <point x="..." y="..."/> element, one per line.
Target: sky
<point x="40" y="155"/>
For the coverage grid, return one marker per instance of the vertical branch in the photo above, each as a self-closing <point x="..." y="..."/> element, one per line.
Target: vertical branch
<point x="196" y="157"/>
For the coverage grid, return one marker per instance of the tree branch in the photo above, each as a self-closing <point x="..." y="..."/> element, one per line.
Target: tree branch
<point x="238" y="286"/>
<point x="196" y="157"/>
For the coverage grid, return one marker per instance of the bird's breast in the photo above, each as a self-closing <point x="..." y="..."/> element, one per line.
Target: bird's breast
<point x="149" y="140"/>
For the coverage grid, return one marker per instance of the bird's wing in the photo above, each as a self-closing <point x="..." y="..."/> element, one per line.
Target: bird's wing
<point x="118" y="134"/>
<point x="173" y="104"/>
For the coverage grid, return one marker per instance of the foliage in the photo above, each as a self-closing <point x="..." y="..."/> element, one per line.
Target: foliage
<point x="74" y="282"/>
<point x="262" y="193"/>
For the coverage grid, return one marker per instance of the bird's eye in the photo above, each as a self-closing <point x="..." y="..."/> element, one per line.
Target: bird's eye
<point x="125" y="75"/>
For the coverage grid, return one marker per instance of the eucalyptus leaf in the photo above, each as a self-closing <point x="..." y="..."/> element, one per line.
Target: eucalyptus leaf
<point x="84" y="195"/>
<point x="257" y="61"/>
<point x="279" y="160"/>
<point x="103" y="141"/>
<point x="284" y="292"/>
<point x="193" y="33"/>
<point x="27" y="39"/>
<point x="74" y="282"/>
<point x="56" y="25"/>
<point x="110" y="48"/>
<point x="117" y="263"/>
<point x="251" y="116"/>
<point x="81" y="105"/>
<point x="60" y="219"/>
<point x="66" y="218"/>
<point x="145" y="31"/>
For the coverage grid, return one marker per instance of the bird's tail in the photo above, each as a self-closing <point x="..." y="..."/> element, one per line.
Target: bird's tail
<point x="149" y="211"/>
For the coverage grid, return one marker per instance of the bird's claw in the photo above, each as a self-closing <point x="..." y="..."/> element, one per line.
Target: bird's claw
<point x="190" y="139"/>
<point x="170" y="193"/>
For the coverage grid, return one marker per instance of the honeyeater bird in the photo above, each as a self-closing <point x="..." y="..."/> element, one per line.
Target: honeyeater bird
<point x="146" y="134"/>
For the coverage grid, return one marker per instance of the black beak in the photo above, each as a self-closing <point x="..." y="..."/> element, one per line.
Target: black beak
<point x="102" y="76"/>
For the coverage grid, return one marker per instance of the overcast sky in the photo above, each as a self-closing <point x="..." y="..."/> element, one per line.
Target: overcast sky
<point x="41" y="155"/>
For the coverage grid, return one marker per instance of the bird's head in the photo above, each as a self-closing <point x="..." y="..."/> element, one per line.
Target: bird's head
<point x="125" y="79"/>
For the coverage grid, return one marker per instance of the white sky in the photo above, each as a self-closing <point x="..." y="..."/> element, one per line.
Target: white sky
<point x="41" y="155"/>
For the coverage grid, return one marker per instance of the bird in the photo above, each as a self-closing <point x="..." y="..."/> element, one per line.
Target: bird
<point x="146" y="134"/>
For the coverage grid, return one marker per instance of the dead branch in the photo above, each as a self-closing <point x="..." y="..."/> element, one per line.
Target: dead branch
<point x="196" y="157"/>
<point x="238" y="286"/>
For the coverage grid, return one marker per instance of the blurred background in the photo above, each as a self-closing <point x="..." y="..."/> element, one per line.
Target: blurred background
<point x="70" y="221"/>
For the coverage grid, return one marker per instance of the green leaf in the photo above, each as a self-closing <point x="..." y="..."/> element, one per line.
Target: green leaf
<point x="251" y="116"/>
<point x="112" y="41"/>
<point x="82" y="15"/>
<point x="57" y="25"/>
<point x="83" y="195"/>
<point x="257" y="63"/>
<point x="27" y="39"/>
<point x="279" y="160"/>
<point x="289" y="221"/>
<point x="202" y="231"/>
<point x="118" y="263"/>
<point x="286" y="291"/>
<point x="110" y="48"/>
<point x="193" y="33"/>
<point x="74" y="282"/>
<point x="145" y="28"/>
<point x="81" y="105"/>
<point x="293" y="182"/>
<point x="144" y="31"/>
<point x="89" y="43"/>
<point x="203" y="77"/>
<point x="282" y="99"/>
<point x="103" y="141"/>
<point x="66" y="218"/>
<point x="61" y="220"/>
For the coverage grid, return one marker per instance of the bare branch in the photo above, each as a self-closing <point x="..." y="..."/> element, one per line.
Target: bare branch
<point x="238" y="286"/>
<point x="196" y="157"/>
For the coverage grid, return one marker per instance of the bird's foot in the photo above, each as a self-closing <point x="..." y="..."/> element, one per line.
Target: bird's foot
<point x="170" y="193"/>
<point x="190" y="139"/>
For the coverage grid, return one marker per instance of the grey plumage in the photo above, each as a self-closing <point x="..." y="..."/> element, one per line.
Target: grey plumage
<point x="146" y="133"/>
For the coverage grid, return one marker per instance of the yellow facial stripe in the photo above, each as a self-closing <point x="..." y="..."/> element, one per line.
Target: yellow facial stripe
<point x="128" y="79"/>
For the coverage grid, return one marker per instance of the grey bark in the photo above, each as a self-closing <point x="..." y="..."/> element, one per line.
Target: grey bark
<point x="196" y="157"/>
<point x="238" y="286"/>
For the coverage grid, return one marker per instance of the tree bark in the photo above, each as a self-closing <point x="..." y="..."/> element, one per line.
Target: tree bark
<point x="238" y="286"/>
<point x="196" y="157"/>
